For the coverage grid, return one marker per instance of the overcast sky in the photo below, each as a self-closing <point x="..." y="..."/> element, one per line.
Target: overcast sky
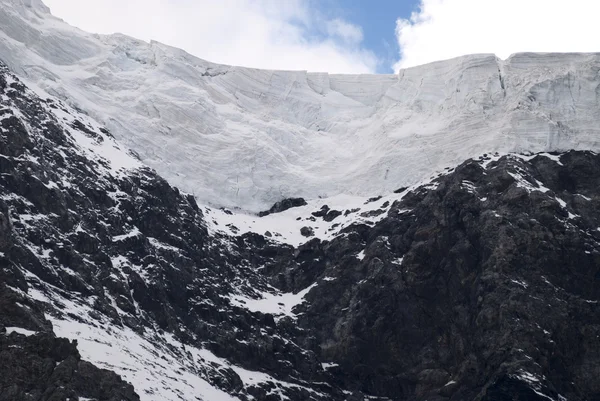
<point x="343" y="36"/>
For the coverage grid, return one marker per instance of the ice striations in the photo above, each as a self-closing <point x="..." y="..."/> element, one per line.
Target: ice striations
<point x="240" y="137"/>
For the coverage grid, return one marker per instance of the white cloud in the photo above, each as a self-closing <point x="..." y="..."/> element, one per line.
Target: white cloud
<point x="272" y="34"/>
<point x="349" y="33"/>
<point x="444" y="29"/>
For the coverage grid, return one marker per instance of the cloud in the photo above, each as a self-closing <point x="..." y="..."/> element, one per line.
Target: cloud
<point x="272" y="34"/>
<point x="443" y="29"/>
<point x="349" y="33"/>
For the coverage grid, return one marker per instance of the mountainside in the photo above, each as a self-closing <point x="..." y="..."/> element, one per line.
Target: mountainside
<point x="481" y="284"/>
<point x="429" y="236"/>
<point x="245" y="138"/>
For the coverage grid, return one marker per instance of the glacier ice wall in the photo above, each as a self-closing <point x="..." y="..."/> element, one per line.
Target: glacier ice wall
<point x="240" y="137"/>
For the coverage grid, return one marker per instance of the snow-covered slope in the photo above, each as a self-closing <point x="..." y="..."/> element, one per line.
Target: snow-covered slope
<point x="240" y="137"/>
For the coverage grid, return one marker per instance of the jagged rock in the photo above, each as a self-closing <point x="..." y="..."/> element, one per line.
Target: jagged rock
<point x="43" y="367"/>
<point x="5" y="226"/>
<point x="284" y="205"/>
<point x="321" y="212"/>
<point x="373" y="199"/>
<point x="373" y="213"/>
<point x="326" y="213"/>
<point x="350" y="211"/>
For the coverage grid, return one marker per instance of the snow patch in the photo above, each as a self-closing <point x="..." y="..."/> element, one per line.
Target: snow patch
<point x="520" y="283"/>
<point x="133" y="233"/>
<point x="280" y="304"/>
<point x="19" y="330"/>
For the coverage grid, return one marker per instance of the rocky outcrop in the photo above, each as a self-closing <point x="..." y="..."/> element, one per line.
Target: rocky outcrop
<point x="36" y="365"/>
<point x="283" y="205"/>
<point x="307" y="232"/>
<point x="327" y="214"/>
<point x="44" y="367"/>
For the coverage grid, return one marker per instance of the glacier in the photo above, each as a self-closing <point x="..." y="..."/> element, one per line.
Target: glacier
<point x="245" y="138"/>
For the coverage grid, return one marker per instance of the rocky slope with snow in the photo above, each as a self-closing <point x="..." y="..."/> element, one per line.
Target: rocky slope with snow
<point x="246" y="138"/>
<point x="480" y="284"/>
<point x="123" y="263"/>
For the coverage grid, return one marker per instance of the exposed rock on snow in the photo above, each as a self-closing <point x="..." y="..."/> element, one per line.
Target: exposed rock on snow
<point x="307" y="232"/>
<point x="284" y="205"/>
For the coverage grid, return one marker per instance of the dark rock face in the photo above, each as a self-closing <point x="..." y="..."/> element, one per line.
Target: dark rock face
<point x="483" y="285"/>
<point x="486" y="287"/>
<point x="43" y="367"/>
<point x="40" y="366"/>
<point x="284" y="205"/>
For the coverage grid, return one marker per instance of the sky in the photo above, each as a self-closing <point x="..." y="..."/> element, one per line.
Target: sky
<point x="343" y="36"/>
<point x="377" y="19"/>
